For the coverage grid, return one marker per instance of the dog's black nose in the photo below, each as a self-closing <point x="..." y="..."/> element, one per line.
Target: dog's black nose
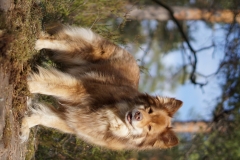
<point x="138" y="116"/>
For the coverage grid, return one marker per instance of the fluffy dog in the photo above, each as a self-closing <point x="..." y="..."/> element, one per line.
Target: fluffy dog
<point x="96" y="86"/>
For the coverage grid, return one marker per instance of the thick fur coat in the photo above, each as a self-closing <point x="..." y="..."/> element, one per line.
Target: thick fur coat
<point x="96" y="86"/>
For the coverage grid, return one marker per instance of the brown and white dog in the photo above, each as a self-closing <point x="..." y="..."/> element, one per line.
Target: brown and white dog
<point x="96" y="86"/>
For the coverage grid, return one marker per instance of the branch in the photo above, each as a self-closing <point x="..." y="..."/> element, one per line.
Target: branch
<point x="205" y="48"/>
<point x="194" y="64"/>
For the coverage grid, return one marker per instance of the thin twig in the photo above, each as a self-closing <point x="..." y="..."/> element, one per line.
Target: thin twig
<point x="205" y="48"/>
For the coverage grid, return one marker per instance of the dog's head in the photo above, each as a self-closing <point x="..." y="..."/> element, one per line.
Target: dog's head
<point x="150" y="122"/>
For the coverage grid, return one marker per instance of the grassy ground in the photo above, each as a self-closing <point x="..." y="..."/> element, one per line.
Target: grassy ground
<point x="19" y="26"/>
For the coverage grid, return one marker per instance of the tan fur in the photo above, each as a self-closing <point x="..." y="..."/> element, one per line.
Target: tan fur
<point x="96" y="86"/>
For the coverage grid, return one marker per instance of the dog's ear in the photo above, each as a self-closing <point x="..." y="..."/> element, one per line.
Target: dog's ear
<point x="165" y="140"/>
<point x="171" y="105"/>
<point x="169" y="138"/>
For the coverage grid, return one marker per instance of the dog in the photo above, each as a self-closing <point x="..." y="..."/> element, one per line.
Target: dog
<point x="96" y="87"/>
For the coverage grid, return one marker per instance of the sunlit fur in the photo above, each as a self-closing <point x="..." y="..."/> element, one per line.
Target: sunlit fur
<point x="96" y="86"/>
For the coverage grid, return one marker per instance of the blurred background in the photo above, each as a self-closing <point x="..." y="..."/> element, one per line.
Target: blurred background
<point x="187" y="49"/>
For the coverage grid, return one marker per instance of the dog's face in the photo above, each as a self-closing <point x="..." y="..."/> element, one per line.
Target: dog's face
<point x="150" y="121"/>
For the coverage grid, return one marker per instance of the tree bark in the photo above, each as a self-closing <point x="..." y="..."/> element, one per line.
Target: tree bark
<point x="192" y="127"/>
<point x="182" y="13"/>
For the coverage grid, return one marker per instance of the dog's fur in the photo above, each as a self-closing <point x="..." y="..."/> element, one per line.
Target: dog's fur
<point x="96" y="86"/>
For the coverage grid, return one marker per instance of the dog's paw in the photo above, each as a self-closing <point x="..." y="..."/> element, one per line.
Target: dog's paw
<point x="23" y="138"/>
<point x="24" y="131"/>
<point x="29" y="102"/>
<point x="39" y="44"/>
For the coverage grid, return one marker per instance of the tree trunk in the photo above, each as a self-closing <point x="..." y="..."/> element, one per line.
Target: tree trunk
<point x="191" y="127"/>
<point x="182" y="13"/>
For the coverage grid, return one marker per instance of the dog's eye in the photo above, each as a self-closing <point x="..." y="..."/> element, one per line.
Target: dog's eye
<point x="150" y="110"/>
<point x="149" y="128"/>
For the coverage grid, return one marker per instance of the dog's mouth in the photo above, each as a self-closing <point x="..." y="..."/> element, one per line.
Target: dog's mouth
<point x="129" y="117"/>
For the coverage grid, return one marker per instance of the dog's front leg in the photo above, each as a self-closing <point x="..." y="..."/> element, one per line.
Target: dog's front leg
<point x="46" y="115"/>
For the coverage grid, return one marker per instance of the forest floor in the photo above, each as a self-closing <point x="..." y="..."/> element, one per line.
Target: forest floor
<point x="19" y="27"/>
